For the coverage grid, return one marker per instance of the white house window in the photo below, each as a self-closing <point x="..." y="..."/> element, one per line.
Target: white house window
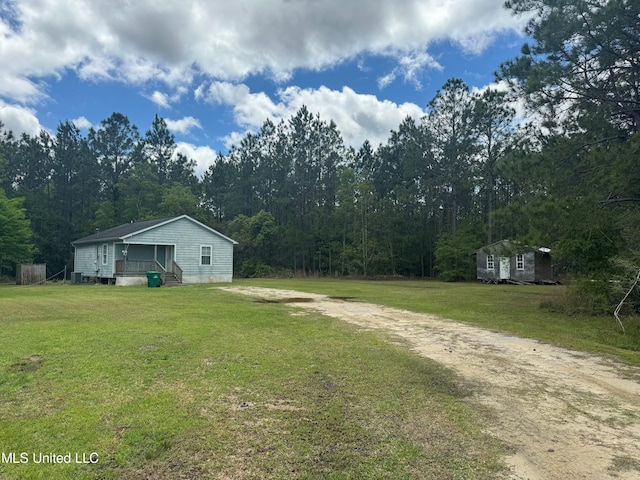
<point x="205" y="254"/>
<point x="105" y="253"/>
<point x="520" y="261"/>
<point x="490" y="262"/>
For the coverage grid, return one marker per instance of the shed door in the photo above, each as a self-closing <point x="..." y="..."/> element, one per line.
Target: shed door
<point x="505" y="268"/>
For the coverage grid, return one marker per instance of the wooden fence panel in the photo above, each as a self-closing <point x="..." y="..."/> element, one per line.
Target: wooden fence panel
<point x="31" y="274"/>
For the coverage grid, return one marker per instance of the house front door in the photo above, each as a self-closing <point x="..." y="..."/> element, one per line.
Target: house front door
<point x="505" y="268"/>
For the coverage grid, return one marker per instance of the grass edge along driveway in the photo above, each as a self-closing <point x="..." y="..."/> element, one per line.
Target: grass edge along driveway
<point x="513" y="309"/>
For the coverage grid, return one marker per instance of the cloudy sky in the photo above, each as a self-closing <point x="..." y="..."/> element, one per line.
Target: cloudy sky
<point x="216" y="69"/>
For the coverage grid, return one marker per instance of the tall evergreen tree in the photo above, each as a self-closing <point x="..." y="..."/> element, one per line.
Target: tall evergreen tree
<point x="219" y="190"/>
<point x="454" y="146"/>
<point x="585" y="54"/>
<point x="493" y="121"/>
<point x="113" y="145"/>
<point x="75" y="179"/>
<point x="158" y="147"/>
<point x="182" y="172"/>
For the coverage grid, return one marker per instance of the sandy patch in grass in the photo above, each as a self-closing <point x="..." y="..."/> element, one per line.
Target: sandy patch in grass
<point x="29" y="364"/>
<point x="567" y="414"/>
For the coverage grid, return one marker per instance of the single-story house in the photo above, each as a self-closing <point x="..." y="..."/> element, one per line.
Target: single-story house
<point x="182" y="249"/>
<point x="512" y="261"/>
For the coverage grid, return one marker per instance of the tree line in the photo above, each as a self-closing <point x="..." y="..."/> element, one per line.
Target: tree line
<point x="293" y="194"/>
<point x="466" y="174"/>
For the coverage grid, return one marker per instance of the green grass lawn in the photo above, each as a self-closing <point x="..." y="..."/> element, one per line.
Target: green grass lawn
<point x="196" y="382"/>
<point x="509" y="308"/>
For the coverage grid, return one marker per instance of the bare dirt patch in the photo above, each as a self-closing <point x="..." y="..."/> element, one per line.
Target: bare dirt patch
<point x="29" y="364"/>
<point x="284" y="300"/>
<point x="567" y="414"/>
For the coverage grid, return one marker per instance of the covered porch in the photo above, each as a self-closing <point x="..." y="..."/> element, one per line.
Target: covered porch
<point x="133" y="261"/>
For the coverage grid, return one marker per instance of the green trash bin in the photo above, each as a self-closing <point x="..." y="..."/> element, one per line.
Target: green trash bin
<point x="153" y="279"/>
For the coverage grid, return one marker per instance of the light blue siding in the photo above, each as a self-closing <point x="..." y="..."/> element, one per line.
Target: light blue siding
<point x="187" y="237"/>
<point x="88" y="260"/>
<point x="85" y="260"/>
<point x="179" y="241"/>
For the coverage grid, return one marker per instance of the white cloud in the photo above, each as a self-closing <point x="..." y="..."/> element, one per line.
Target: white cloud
<point x="19" y="120"/>
<point x="184" y="125"/>
<point x="358" y="117"/>
<point x="160" y="99"/>
<point x="386" y="80"/>
<point x="164" y="100"/>
<point x="82" y="123"/>
<point x="204" y="156"/>
<point x="174" y="40"/>
<point x="409" y="68"/>
<point x="223" y="92"/>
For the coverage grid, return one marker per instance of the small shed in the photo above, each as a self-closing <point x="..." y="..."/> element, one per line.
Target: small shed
<point x="31" y="274"/>
<point x="510" y="261"/>
<point x="182" y="249"/>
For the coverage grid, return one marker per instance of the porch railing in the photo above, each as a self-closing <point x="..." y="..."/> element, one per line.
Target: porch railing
<point x="177" y="271"/>
<point x="142" y="266"/>
<point x="135" y="266"/>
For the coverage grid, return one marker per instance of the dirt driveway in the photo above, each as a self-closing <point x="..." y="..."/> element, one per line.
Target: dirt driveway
<point x="567" y="415"/>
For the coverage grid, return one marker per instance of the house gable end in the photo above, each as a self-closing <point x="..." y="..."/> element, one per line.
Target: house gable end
<point x="162" y="227"/>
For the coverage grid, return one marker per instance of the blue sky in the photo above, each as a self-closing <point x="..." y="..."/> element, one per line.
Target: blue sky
<point x="215" y="70"/>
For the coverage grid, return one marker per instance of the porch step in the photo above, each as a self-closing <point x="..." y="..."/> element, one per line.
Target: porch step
<point x="170" y="280"/>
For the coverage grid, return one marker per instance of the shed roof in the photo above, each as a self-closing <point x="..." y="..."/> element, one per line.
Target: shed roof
<point x="121" y="232"/>
<point x="510" y="247"/>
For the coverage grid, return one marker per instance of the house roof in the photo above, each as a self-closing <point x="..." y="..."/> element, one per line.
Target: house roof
<point x="122" y="232"/>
